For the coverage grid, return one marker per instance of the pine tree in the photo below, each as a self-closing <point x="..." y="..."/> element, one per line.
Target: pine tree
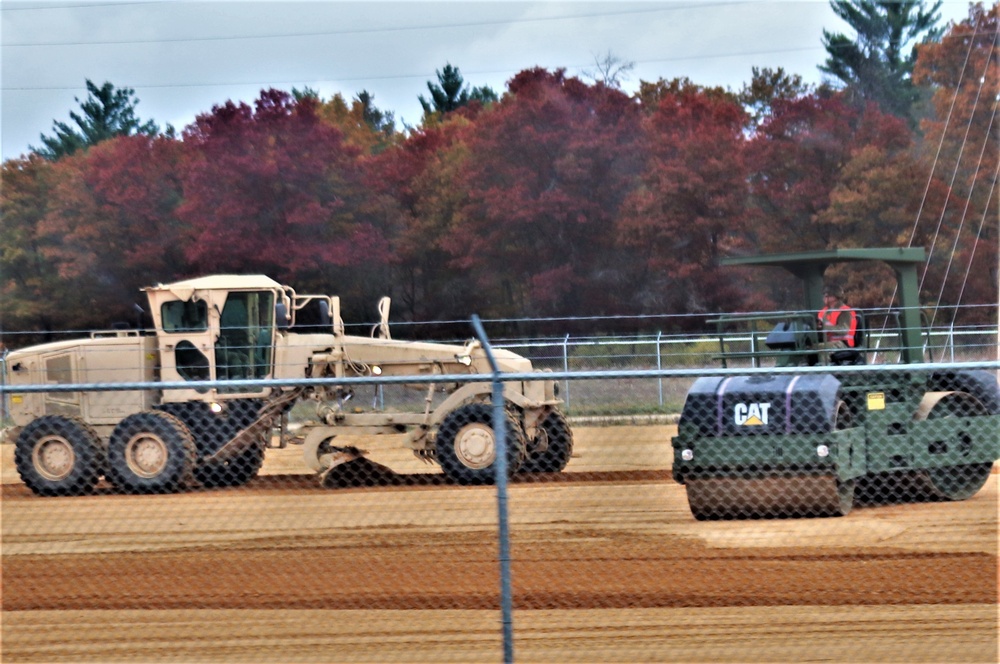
<point x="106" y="113"/>
<point x="874" y="66"/>
<point x="451" y="93"/>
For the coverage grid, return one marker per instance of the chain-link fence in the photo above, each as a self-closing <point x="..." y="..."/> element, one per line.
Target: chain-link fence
<point x="650" y="511"/>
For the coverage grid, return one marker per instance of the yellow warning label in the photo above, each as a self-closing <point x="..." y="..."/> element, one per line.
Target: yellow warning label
<point x="876" y="401"/>
<point x="16" y="398"/>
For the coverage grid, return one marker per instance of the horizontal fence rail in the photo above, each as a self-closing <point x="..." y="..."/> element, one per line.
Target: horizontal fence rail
<point x="503" y="377"/>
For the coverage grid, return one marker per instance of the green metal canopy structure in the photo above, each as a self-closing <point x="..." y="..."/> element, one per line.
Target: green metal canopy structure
<point x="810" y="267"/>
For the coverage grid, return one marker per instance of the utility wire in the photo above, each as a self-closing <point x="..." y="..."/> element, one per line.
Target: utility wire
<point x="954" y="173"/>
<point x="975" y="246"/>
<point x="392" y="29"/>
<point x="390" y="77"/>
<point x="944" y="132"/>
<point x="101" y="5"/>
<point x="937" y="156"/>
<point x="965" y="212"/>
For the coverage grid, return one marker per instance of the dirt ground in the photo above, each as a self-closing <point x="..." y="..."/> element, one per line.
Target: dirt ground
<point x="607" y="566"/>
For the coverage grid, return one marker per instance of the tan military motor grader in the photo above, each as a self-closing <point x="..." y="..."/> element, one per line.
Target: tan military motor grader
<point x="241" y="330"/>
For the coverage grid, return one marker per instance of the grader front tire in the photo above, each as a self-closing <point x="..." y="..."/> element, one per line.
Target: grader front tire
<point x="559" y="446"/>
<point x="466" y="444"/>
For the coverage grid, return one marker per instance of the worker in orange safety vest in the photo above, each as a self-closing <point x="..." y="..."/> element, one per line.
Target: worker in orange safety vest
<point x="837" y="321"/>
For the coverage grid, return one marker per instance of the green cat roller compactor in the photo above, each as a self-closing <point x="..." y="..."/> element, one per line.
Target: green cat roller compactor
<point x="810" y="443"/>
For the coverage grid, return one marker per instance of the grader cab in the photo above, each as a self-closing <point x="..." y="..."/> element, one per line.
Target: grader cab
<point x="803" y="444"/>
<point x="217" y="343"/>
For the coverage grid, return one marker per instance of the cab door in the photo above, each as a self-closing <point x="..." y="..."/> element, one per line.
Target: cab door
<point x="244" y="344"/>
<point x="216" y="335"/>
<point x="187" y="344"/>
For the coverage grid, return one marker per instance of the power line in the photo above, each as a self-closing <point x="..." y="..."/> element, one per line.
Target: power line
<point x="355" y="79"/>
<point x="101" y="5"/>
<point x="362" y="31"/>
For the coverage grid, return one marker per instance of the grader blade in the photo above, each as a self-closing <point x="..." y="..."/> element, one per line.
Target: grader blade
<point x="769" y="497"/>
<point x="349" y="467"/>
<point x="345" y="466"/>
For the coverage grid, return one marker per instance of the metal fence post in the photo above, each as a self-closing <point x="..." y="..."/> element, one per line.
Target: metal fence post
<point x="659" y="364"/>
<point x="4" y="410"/>
<point x="566" y="368"/>
<point x="500" y="468"/>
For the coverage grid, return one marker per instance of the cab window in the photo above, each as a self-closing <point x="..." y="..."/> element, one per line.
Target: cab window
<point x="179" y="317"/>
<point x="243" y="349"/>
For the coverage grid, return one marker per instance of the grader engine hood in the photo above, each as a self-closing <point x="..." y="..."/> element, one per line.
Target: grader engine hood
<point x="364" y="356"/>
<point x="453" y="358"/>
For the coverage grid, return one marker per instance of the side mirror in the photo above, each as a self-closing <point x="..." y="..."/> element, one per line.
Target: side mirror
<point x="281" y="316"/>
<point x="324" y="315"/>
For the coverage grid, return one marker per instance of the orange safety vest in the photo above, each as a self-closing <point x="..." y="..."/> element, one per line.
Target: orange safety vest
<point x="829" y="317"/>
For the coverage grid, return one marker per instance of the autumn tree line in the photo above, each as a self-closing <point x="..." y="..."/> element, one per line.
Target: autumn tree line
<point x="559" y="198"/>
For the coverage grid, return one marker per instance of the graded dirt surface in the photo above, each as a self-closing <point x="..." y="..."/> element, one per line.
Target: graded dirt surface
<point x="607" y="565"/>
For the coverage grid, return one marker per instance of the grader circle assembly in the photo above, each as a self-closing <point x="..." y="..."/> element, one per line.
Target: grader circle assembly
<point x="249" y="328"/>
<point x="812" y="442"/>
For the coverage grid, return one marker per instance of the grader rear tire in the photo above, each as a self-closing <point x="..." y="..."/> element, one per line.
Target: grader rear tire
<point x="151" y="452"/>
<point x="58" y="456"/>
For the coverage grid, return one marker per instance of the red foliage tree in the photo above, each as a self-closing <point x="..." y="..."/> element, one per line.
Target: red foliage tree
<point x="827" y="174"/>
<point x="962" y="150"/>
<point x="29" y="282"/>
<point x="416" y="184"/>
<point x="689" y="209"/>
<point x="110" y="227"/>
<point x="274" y="189"/>
<point x="546" y="172"/>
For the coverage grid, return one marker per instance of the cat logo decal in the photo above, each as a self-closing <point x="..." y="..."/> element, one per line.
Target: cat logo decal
<point x="751" y="415"/>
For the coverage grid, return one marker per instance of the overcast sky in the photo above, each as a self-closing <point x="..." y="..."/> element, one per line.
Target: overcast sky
<point x="182" y="58"/>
